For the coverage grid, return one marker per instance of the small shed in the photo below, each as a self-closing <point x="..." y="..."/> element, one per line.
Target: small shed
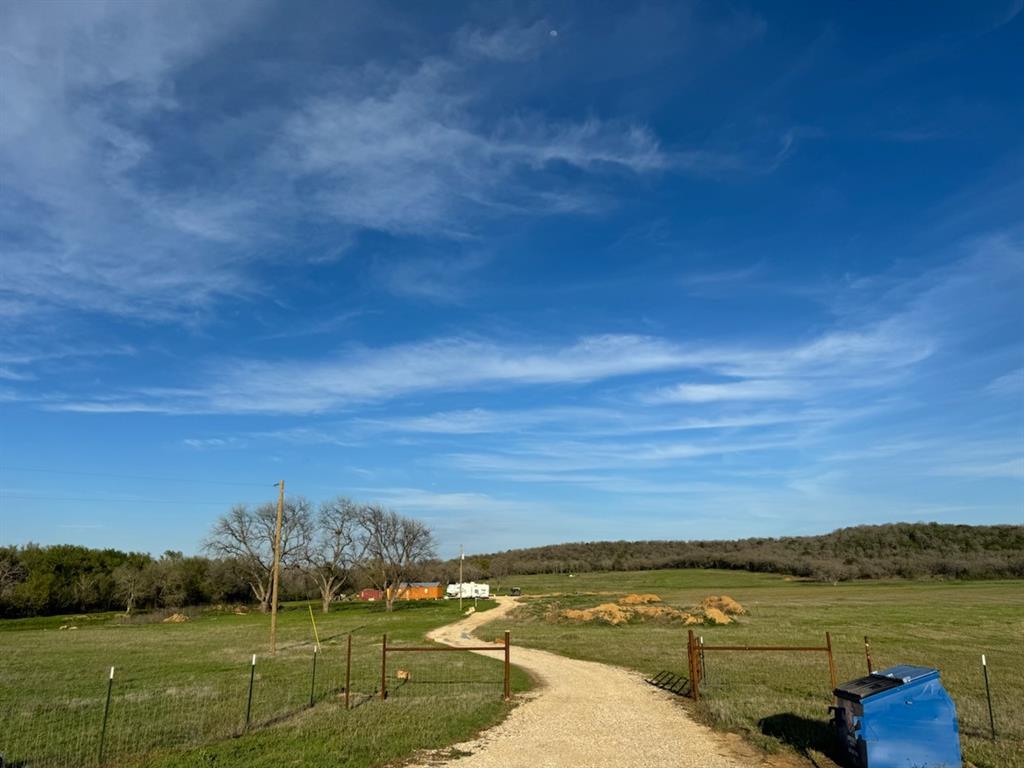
<point x="371" y="595"/>
<point x="420" y="590"/>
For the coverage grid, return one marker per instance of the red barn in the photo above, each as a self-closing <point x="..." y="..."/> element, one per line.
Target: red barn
<point x="371" y="595"/>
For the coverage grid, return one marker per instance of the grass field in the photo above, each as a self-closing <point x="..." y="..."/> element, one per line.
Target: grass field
<point x="180" y="690"/>
<point x="780" y="700"/>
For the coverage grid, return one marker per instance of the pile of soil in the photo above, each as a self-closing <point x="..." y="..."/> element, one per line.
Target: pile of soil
<point x="610" y="613"/>
<point x="715" y="616"/>
<point x="714" y="610"/>
<point x="666" y="613"/>
<point x="639" y="599"/>
<point x="723" y="603"/>
<point x="606" y="613"/>
<point x="176" y="618"/>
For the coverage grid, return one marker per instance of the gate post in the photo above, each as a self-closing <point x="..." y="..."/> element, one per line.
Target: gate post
<point x="691" y="657"/>
<point x="508" y="671"/>
<point x="831" y="661"/>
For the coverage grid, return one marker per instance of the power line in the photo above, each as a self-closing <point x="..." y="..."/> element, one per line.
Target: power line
<point x="5" y="495"/>
<point x="7" y="468"/>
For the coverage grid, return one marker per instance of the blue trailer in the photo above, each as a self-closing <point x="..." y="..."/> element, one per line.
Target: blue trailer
<point x="899" y="717"/>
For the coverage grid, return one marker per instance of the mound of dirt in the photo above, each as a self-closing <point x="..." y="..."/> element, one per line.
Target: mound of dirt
<point x="665" y="613"/>
<point x="716" y="609"/>
<point x="610" y="613"/>
<point x="606" y="613"/>
<point x="715" y="616"/>
<point x="176" y="618"/>
<point x="639" y="599"/>
<point x="723" y="603"/>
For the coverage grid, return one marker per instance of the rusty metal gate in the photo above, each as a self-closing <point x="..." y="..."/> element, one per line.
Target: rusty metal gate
<point x="695" y="657"/>
<point x="385" y="649"/>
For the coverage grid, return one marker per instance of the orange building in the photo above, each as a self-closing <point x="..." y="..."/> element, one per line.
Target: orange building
<point x="420" y="590"/>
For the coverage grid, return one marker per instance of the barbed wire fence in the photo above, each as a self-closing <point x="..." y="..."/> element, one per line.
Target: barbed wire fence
<point x="128" y="713"/>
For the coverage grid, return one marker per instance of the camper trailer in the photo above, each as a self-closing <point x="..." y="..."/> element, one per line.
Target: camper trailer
<point x="468" y="589"/>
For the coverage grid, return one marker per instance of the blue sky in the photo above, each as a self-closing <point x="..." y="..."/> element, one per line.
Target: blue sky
<point x="533" y="272"/>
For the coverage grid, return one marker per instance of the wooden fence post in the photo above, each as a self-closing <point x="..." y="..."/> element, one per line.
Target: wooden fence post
<point x="508" y="668"/>
<point x="348" y="670"/>
<point x="384" y="668"/>
<point x="691" y="656"/>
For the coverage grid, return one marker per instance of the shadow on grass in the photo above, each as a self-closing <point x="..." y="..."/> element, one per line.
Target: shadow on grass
<point x="803" y="734"/>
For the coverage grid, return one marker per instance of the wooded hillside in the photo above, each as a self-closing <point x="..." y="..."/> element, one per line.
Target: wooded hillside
<point x="909" y="550"/>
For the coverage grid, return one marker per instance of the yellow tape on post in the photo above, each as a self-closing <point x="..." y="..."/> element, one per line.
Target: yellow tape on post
<point x="315" y="634"/>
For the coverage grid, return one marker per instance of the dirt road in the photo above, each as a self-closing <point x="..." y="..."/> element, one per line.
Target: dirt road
<point x="588" y="715"/>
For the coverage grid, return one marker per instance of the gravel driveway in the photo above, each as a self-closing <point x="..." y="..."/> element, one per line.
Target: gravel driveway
<point x="588" y="714"/>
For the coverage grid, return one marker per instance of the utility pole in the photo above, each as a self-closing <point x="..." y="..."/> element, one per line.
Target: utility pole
<point x="462" y="559"/>
<point x="277" y="568"/>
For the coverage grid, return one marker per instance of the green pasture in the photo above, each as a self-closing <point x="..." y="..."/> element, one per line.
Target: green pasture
<point x="180" y="690"/>
<point x="780" y="700"/>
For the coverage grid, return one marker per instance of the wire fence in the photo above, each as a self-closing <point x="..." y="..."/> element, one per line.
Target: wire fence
<point x="149" y="711"/>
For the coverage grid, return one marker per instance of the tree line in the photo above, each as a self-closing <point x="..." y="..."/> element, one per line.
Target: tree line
<point x="897" y="550"/>
<point x="325" y="549"/>
<point x="341" y="546"/>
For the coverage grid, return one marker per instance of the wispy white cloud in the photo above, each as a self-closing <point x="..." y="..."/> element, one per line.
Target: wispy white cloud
<point x="111" y="406"/>
<point x="506" y="44"/>
<point x="401" y="151"/>
<point x="1011" y="383"/>
<point x="853" y="358"/>
<point x="746" y="390"/>
<point x="447" y="364"/>
<point x="213" y="443"/>
<point x="443" y="280"/>
<point x="11" y="375"/>
<point x="485" y="421"/>
<point x="1011" y="468"/>
<point x="929" y="455"/>
<point x="865" y="351"/>
<point x="78" y="80"/>
<point x="728" y="277"/>
<point x="397" y="147"/>
<point x="583" y="455"/>
<point x="625" y="419"/>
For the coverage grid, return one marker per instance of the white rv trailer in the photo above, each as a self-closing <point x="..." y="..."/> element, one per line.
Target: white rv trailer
<point x="469" y="589"/>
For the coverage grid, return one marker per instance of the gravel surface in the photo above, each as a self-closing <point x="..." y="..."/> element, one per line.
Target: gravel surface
<point x="587" y="714"/>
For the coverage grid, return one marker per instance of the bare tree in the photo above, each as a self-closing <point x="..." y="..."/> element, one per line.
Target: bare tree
<point x="335" y="547"/>
<point x="394" y="546"/>
<point x="12" y="571"/>
<point x="247" y="536"/>
<point x="132" y="583"/>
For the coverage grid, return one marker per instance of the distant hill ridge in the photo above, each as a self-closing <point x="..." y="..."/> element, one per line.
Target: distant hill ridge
<point x="908" y="550"/>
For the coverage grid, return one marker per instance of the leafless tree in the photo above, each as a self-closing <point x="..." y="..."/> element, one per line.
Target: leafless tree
<point x="131" y="583"/>
<point x="11" y="571"/>
<point x="394" y="546"/>
<point x="335" y="547"/>
<point x="247" y="536"/>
